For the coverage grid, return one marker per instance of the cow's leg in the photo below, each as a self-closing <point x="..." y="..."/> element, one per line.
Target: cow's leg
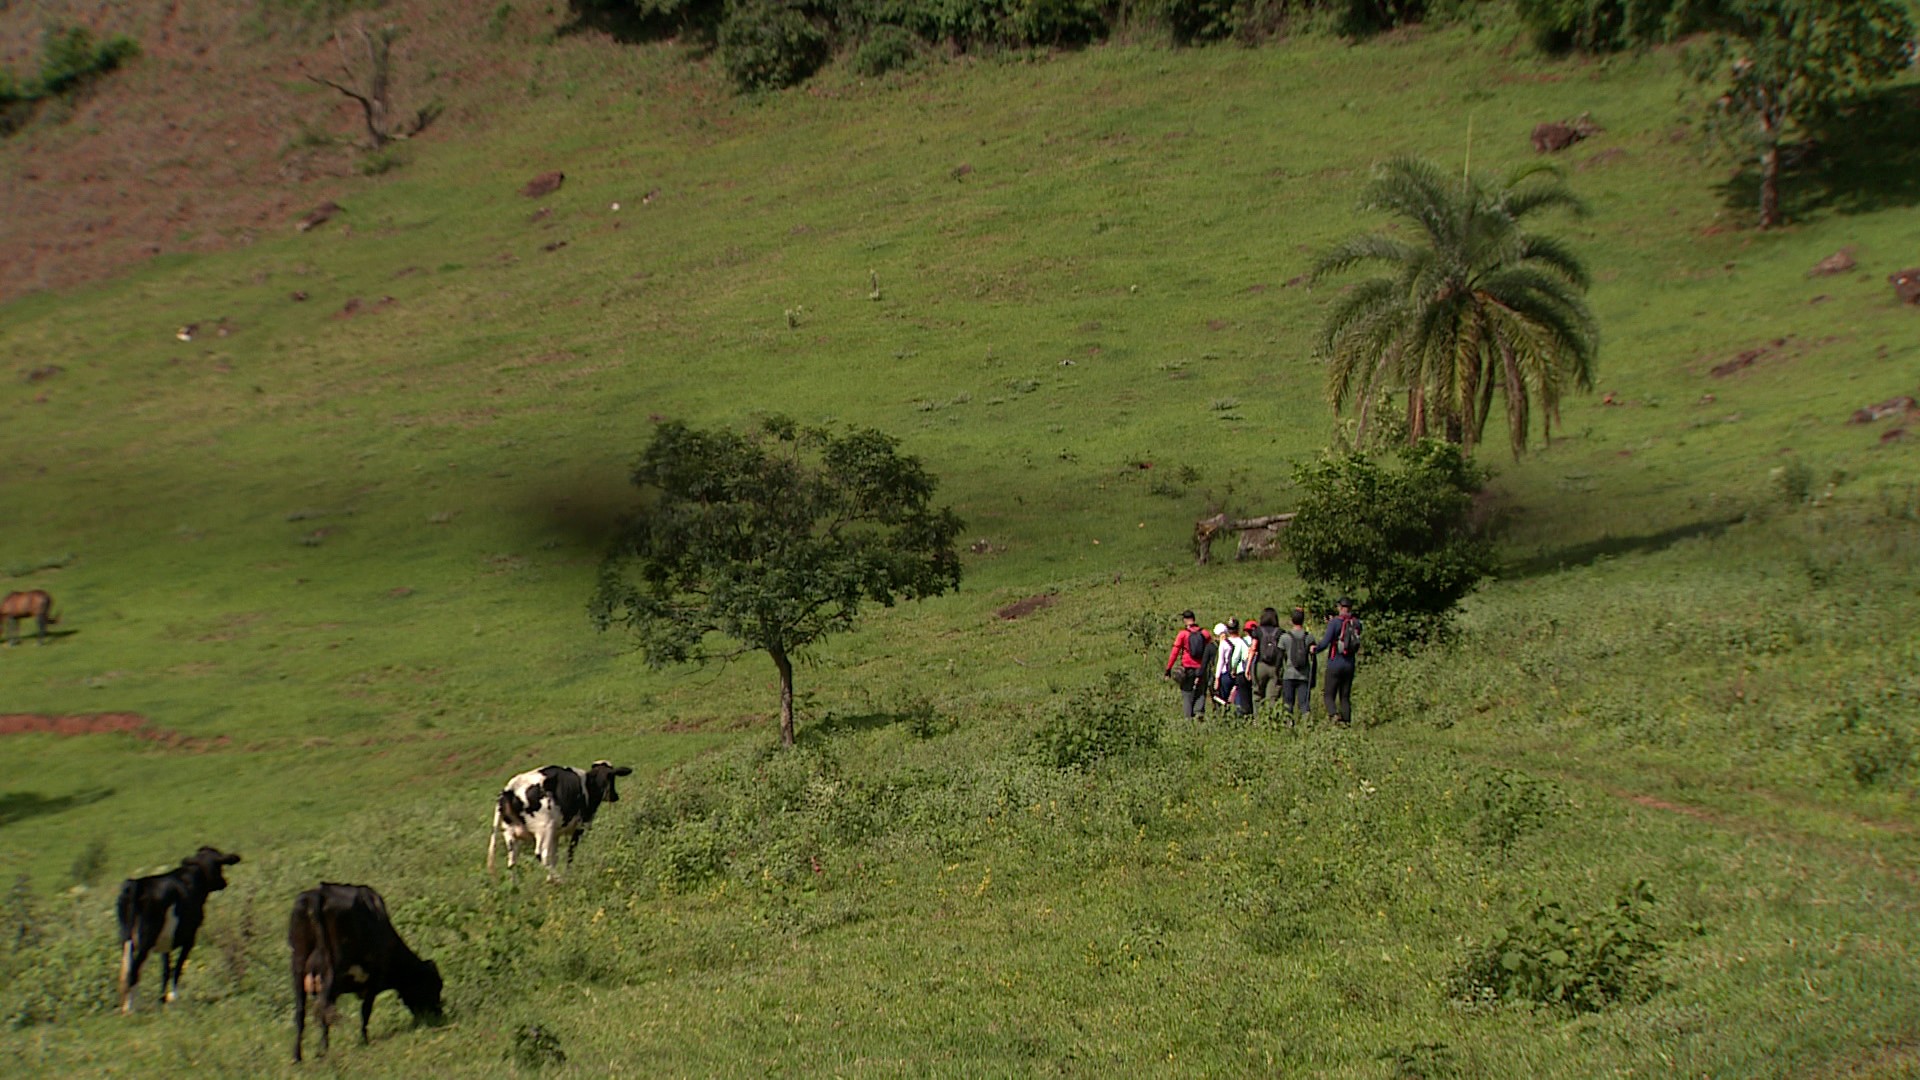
<point x="169" y="977"/>
<point x="12" y="627"/>
<point x="573" y="841"/>
<point x="299" y="1004"/>
<point x="366" y="1013"/>
<point x="42" y="620"/>
<point x="327" y="999"/>
<point x="129" y="974"/>
<point x="549" y="839"/>
<point x="179" y="969"/>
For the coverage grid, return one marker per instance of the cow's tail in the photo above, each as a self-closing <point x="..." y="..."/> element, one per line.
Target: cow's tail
<point x="316" y="966"/>
<point x="494" y="839"/>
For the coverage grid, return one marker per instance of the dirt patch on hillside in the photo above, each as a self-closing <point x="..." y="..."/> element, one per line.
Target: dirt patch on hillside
<point x="213" y="137"/>
<point x="121" y="723"/>
<point x="1021" y="608"/>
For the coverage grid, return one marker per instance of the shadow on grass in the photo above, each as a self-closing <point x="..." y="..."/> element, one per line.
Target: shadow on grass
<point x="848" y="723"/>
<point x="18" y="806"/>
<point x="1567" y="558"/>
<point x="1861" y="162"/>
<point x="27" y="636"/>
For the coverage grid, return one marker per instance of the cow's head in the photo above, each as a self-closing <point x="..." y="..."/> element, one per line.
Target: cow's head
<point x="420" y="992"/>
<point x="208" y="862"/>
<point x="600" y="781"/>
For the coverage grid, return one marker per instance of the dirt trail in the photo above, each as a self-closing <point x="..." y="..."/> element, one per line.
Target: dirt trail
<point x="1829" y="847"/>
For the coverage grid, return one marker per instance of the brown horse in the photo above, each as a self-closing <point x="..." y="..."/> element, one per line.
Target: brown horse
<point x="20" y="605"/>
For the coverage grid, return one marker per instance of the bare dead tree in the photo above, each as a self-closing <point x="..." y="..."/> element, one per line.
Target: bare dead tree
<point x="367" y="78"/>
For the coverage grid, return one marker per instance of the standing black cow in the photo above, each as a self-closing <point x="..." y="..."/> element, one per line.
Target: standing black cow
<point x="164" y="912"/>
<point x="344" y="943"/>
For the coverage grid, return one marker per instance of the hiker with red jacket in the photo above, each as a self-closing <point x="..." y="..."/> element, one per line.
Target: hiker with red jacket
<point x="1186" y="664"/>
<point x="1341" y="643"/>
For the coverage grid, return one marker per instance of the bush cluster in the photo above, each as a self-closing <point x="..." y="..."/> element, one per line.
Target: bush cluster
<point x="1398" y="539"/>
<point x="70" y="58"/>
<point x="1095" y="725"/>
<point x="1556" y="958"/>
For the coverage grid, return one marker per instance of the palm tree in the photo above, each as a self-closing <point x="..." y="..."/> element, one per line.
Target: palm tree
<point x="1478" y="306"/>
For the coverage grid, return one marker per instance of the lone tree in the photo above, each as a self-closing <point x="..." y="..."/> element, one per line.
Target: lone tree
<point x="1781" y="65"/>
<point x="773" y="538"/>
<point x="1397" y="539"/>
<point x="1474" y="305"/>
<point x="366" y="70"/>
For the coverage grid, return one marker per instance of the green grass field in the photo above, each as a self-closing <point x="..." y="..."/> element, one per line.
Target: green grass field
<point x="341" y="566"/>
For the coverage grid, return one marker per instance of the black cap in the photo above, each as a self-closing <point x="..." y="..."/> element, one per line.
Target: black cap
<point x="1345" y="601"/>
<point x="1187" y="614"/>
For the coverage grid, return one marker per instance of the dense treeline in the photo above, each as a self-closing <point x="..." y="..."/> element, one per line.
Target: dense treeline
<point x="767" y="44"/>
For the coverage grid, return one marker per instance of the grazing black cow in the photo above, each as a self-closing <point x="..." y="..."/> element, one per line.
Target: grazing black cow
<point x="542" y="804"/>
<point x="164" y="912"/>
<point x="344" y="943"/>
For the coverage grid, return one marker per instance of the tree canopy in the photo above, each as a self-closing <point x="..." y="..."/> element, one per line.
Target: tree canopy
<point x="1475" y="306"/>
<point x="774" y="538"/>
<point x="1779" y="65"/>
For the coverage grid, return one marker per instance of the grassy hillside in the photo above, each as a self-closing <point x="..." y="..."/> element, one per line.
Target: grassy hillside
<point x="339" y="563"/>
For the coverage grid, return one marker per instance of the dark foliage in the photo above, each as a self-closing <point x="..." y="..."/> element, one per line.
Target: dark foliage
<point x="1397" y="540"/>
<point x="1598" y="26"/>
<point x="887" y="48"/>
<point x="70" y="59"/>
<point x="769" y="44"/>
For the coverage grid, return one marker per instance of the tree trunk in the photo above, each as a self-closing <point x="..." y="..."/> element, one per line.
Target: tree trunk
<point x="785" y="664"/>
<point x="1770" y="186"/>
<point x="1770" y="126"/>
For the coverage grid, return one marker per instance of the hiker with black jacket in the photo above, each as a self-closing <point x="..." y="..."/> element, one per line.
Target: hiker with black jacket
<point x="1187" y="664"/>
<point x="1341" y="643"/>
<point x="1267" y="659"/>
<point x="1296" y="678"/>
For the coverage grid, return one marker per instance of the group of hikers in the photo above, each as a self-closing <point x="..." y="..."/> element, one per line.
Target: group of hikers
<point x="1239" y="666"/>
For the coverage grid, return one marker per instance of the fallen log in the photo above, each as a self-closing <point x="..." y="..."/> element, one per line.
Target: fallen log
<point x="1258" y="537"/>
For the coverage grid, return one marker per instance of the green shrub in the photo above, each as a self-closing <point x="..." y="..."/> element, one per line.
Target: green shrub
<point x="1598" y="25"/>
<point x="71" y="58"/>
<point x="1553" y="958"/>
<point x="886" y="48"/>
<point x="1398" y="540"/>
<point x="534" y="1048"/>
<point x="1097" y="723"/>
<point x="769" y="44"/>
<point x="1506" y="804"/>
<point x="1060" y="22"/>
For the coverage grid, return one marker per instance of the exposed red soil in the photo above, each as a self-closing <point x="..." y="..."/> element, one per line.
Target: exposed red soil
<point x="125" y="723"/>
<point x="212" y="137"/>
<point x="1026" y="607"/>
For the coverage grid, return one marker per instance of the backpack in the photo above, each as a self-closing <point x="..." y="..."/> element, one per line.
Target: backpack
<point x="1269" y="637"/>
<point x="1197" y="645"/>
<point x="1297" y="654"/>
<point x="1348" y="643"/>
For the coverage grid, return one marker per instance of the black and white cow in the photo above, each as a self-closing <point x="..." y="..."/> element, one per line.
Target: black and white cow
<point x="344" y="943"/>
<point x="542" y="805"/>
<point x="164" y="912"/>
